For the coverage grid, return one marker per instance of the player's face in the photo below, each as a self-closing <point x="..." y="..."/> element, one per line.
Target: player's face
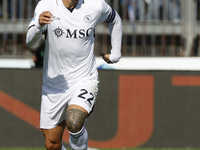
<point x="70" y="3"/>
<point x="74" y="2"/>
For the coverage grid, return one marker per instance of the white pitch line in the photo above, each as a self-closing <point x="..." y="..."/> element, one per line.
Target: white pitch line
<point x="92" y="149"/>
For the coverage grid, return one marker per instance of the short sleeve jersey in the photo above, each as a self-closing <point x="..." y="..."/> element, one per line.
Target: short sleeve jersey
<point x="69" y="40"/>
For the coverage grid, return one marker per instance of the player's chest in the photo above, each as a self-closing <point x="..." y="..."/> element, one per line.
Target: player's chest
<point x="78" y="19"/>
<point x="78" y="24"/>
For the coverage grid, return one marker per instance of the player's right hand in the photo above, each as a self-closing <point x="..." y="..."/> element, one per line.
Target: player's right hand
<point x="45" y="18"/>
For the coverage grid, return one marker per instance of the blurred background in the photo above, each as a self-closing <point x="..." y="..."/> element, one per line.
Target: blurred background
<point x="150" y="28"/>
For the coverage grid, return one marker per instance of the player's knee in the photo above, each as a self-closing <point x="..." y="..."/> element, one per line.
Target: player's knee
<point x="73" y="125"/>
<point x="52" y="145"/>
<point x="75" y="119"/>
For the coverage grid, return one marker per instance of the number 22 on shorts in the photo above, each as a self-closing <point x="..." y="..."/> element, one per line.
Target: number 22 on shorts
<point x="88" y="96"/>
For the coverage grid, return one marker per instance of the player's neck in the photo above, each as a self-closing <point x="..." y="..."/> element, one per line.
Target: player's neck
<point x="70" y="3"/>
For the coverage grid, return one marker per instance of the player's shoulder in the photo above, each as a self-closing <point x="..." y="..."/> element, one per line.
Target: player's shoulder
<point x="95" y="4"/>
<point x="94" y="1"/>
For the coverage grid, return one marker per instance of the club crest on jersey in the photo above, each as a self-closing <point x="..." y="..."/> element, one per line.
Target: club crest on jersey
<point x="58" y="32"/>
<point x="88" y="18"/>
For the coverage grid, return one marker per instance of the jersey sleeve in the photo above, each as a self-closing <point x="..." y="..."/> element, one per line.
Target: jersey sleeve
<point x="35" y="30"/>
<point x="107" y="13"/>
<point x="113" y="19"/>
<point x="115" y="29"/>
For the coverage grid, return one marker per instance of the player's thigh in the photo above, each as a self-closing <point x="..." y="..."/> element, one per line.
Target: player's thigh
<point x="85" y="95"/>
<point x="53" y="107"/>
<point x="81" y="104"/>
<point x="54" y="135"/>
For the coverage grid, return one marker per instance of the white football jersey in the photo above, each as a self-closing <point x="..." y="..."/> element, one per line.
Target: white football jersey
<point x="69" y="40"/>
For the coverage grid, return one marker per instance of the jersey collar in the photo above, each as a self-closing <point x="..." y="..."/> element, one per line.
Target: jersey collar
<point x="59" y="2"/>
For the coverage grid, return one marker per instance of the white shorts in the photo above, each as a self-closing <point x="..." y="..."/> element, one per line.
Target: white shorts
<point x="55" y="101"/>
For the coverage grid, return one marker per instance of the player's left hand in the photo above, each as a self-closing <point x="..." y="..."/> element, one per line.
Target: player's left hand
<point x="105" y="57"/>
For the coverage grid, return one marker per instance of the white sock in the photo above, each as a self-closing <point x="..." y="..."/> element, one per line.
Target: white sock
<point x="79" y="140"/>
<point x="63" y="147"/>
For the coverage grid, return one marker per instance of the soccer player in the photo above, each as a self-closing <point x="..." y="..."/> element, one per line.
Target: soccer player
<point x="70" y="77"/>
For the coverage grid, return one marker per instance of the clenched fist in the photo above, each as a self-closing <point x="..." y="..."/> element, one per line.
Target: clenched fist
<point x="45" y="18"/>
